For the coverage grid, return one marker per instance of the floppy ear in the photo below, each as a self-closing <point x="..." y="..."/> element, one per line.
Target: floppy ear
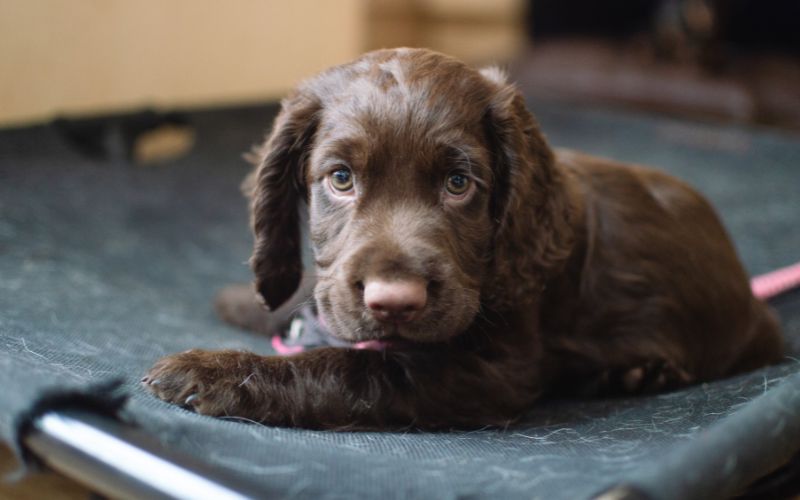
<point x="530" y="202"/>
<point x="276" y="187"/>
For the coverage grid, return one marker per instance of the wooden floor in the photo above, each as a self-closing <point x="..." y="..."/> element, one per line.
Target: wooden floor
<point x="38" y="485"/>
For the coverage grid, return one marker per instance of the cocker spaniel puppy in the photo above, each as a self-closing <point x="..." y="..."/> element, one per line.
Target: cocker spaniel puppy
<point x="476" y="268"/>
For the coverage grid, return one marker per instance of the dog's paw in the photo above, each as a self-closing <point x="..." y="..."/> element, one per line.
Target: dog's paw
<point x="651" y="377"/>
<point x="215" y="383"/>
<point x="645" y="378"/>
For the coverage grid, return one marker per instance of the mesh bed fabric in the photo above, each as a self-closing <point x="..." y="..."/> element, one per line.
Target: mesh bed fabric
<point x="106" y="266"/>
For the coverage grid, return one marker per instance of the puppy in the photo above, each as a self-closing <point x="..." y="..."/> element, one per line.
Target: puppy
<point x="481" y="268"/>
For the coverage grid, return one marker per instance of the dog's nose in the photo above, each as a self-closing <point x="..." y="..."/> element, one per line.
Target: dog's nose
<point x="396" y="301"/>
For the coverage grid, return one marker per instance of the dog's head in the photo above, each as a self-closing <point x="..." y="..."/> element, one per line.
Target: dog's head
<point x="431" y="193"/>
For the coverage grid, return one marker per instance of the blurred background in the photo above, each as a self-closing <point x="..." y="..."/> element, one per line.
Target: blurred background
<point x="732" y="60"/>
<point x="118" y="77"/>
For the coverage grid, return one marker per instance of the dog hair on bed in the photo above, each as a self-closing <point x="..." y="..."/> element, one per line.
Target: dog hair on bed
<point x="482" y="268"/>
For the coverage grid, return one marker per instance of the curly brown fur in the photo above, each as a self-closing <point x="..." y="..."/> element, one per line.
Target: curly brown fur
<point x="555" y="272"/>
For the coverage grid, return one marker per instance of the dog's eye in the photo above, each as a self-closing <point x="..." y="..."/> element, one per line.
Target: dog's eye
<point x="457" y="183"/>
<point x="342" y="179"/>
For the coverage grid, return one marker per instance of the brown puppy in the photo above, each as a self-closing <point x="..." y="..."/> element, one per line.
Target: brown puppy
<point x="483" y="268"/>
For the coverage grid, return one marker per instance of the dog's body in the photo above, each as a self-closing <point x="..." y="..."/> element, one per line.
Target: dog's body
<point x="483" y="268"/>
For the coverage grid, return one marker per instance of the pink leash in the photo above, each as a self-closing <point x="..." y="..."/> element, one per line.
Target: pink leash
<point x="283" y="349"/>
<point x="765" y="286"/>
<point x="774" y="283"/>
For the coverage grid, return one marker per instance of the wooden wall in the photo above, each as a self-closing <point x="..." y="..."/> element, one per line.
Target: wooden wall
<point x="79" y="57"/>
<point x="90" y="56"/>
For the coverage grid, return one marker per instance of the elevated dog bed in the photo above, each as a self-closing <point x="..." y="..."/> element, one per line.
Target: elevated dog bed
<point x="106" y="266"/>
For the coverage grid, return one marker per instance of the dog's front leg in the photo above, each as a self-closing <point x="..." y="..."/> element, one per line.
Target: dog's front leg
<point x="333" y="388"/>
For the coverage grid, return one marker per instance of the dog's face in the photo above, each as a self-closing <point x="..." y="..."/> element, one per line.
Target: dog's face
<point x="399" y="183"/>
<point x="407" y="159"/>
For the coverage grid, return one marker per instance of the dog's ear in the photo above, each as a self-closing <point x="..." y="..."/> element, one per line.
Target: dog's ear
<point x="530" y="202"/>
<point x="275" y="188"/>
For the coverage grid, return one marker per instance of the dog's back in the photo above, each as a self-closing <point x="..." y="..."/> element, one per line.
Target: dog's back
<point x="655" y="283"/>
